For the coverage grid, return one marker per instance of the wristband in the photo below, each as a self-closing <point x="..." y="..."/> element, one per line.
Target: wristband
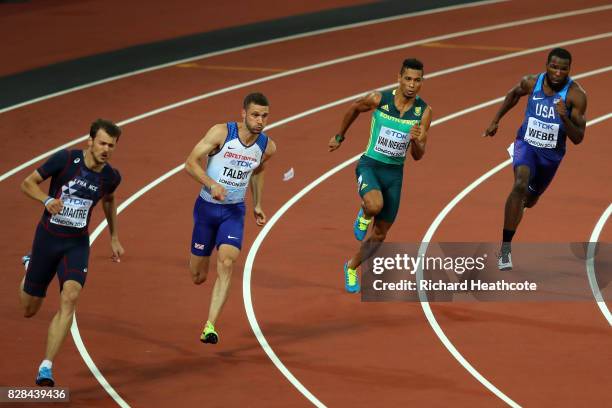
<point x="339" y="138"/>
<point x="48" y="200"/>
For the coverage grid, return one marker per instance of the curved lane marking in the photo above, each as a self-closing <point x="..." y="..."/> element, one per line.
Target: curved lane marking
<point x="175" y="105"/>
<point x="247" y="274"/>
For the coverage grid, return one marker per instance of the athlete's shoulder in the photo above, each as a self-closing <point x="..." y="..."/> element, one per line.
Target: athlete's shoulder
<point x="576" y="89"/>
<point x="63" y="157"/>
<point x="220" y="128"/>
<point x="369" y="101"/>
<point x="421" y="102"/>
<point x="529" y="81"/>
<point x="217" y="133"/>
<point x="270" y="147"/>
<point x="63" y="154"/>
<point x="577" y="97"/>
<point x="112" y="174"/>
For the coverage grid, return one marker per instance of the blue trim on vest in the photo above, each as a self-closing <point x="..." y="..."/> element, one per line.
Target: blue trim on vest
<point x="232" y="131"/>
<point x="262" y="142"/>
<point x="538" y="86"/>
<point x="565" y="89"/>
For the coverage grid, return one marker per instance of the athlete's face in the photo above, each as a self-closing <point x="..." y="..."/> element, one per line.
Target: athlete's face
<point x="255" y="117"/>
<point x="557" y="70"/>
<point x="102" y="146"/>
<point x="410" y="81"/>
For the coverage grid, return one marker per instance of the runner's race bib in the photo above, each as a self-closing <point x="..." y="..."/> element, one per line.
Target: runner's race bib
<point x="74" y="213"/>
<point x="391" y="142"/>
<point x="542" y="134"/>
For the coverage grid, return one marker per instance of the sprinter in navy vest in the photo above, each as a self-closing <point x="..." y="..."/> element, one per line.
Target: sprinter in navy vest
<point x="555" y="110"/>
<point x="79" y="179"/>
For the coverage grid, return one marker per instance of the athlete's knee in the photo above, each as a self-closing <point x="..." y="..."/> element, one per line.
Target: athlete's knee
<point x="520" y="187"/>
<point x="198" y="274"/>
<point x="372" y="206"/>
<point x="531" y="200"/>
<point x="30" y="304"/>
<point x="199" y="270"/>
<point x="198" y="278"/>
<point x="225" y="265"/>
<point x="226" y="262"/>
<point x="70" y="295"/>
<point x="30" y="310"/>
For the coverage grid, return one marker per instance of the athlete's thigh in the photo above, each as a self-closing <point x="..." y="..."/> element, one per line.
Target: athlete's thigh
<point x="524" y="157"/>
<point x="75" y="262"/>
<point x="392" y="180"/>
<point x="367" y="179"/>
<point x="231" y="228"/>
<point x="545" y="172"/>
<point x="206" y="220"/>
<point x="44" y="259"/>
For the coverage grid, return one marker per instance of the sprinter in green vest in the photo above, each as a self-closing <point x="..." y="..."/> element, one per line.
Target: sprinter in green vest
<point x="400" y="121"/>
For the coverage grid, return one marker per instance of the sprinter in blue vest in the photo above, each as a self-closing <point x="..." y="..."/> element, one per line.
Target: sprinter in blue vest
<point x="555" y="109"/>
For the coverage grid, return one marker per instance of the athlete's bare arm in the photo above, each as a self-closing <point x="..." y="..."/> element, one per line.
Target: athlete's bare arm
<point x="523" y="88"/>
<point x="257" y="183"/>
<point x="364" y="104"/>
<point x="31" y="187"/>
<point x="109" y="205"/>
<point x="575" y="123"/>
<point x="213" y="140"/>
<point x="418" y="135"/>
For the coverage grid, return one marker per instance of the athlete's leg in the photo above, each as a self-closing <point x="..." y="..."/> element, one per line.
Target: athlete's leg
<point x="31" y="304"/>
<point x="226" y="257"/>
<point x="40" y="270"/>
<point x="206" y="221"/>
<point x="531" y="199"/>
<point x="228" y="242"/>
<point x="372" y="203"/>
<point x="516" y="199"/>
<point x="198" y="265"/>
<point x="60" y="325"/>
<point x="370" y="245"/>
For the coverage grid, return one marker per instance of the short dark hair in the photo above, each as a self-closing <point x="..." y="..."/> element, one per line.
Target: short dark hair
<point x="412" y="63"/>
<point x="108" y="126"/>
<point x="257" y="98"/>
<point x="560" y="53"/>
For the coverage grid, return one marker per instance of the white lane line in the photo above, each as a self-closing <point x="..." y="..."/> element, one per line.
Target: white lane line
<point x="166" y="108"/>
<point x="590" y="264"/>
<point x="254" y="45"/>
<point x="251" y="255"/>
<point x="248" y="267"/>
<point x="423" y="249"/>
<point x="74" y="329"/>
<point x="590" y="261"/>
<point x="76" y="335"/>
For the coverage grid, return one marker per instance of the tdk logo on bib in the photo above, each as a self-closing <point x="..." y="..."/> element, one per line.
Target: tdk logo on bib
<point x="393" y="133"/>
<point x="241" y="163"/>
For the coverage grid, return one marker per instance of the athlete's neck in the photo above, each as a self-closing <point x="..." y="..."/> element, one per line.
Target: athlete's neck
<point x="245" y="135"/>
<point x="552" y="87"/>
<point x="402" y="102"/>
<point x="91" y="163"/>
